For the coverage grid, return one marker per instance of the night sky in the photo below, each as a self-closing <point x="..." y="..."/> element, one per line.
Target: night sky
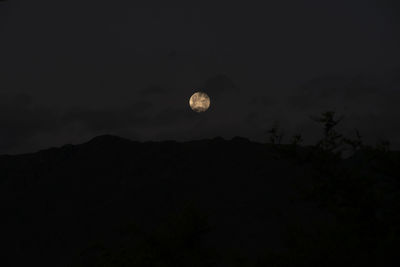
<point x="71" y="70"/>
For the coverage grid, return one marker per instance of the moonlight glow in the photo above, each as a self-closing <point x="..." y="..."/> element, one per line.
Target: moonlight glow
<point x="199" y="102"/>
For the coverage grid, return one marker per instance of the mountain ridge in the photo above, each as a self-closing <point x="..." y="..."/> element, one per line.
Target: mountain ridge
<point x="57" y="202"/>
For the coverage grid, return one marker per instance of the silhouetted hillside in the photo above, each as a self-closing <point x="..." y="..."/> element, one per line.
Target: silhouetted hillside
<point x="216" y="202"/>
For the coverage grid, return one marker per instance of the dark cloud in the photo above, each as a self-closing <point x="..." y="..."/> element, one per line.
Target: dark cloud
<point x="368" y="102"/>
<point x="24" y="125"/>
<point x="392" y="8"/>
<point x="154" y="90"/>
<point x="219" y="84"/>
<point x="172" y="53"/>
<point x="109" y="119"/>
<point x="253" y="119"/>
<point x="104" y="120"/>
<point x="88" y="73"/>
<point x="346" y="92"/>
<point x="263" y="101"/>
<point x="28" y="127"/>
<point x="172" y="115"/>
<point x="20" y="121"/>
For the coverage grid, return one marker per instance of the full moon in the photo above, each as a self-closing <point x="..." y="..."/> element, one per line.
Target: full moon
<point x="199" y="102"/>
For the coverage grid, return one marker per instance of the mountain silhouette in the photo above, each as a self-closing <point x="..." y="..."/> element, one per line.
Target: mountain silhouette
<point x="214" y="202"/>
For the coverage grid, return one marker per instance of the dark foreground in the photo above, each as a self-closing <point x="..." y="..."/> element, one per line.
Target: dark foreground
<point x="114" y="202"/>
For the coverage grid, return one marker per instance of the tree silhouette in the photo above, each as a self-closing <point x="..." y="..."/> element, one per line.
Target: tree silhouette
<point x="331" y="141"/>
<point x="355" y="143"/>
<point x="275" y="134"/>
<point x="297" y="140"/>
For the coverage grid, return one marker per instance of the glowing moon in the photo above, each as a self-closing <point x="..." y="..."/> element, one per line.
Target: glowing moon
<point x="199" y="102"/>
